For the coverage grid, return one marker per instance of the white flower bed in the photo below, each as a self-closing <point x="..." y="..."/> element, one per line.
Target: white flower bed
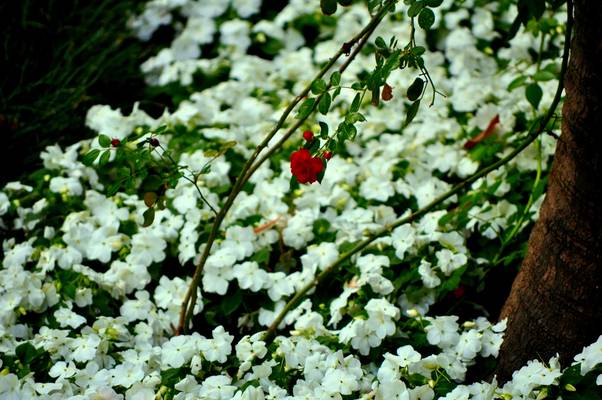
<point x="90" y="298"/>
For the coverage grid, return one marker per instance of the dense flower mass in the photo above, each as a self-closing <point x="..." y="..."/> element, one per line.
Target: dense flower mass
<point x="90" y="293"/>
<point x="305" y="167"/>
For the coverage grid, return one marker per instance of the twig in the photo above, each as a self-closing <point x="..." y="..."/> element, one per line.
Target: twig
<point x="249" y="168"/>
<point x="536" y="129"/>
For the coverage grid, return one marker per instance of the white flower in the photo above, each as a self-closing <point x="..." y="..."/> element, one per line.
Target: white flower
<point x="239" y="241"/>
<point x="590" y="356"/>
<point x="250" y="276"/>
<point x="339" y="381"/>
<point x="235" y="33"/>
<point x="407" y="355"/>
<point x="68" y="186"/>
<point x="179" y="350"/>
<point x="217" y="388"/>
<point x="442" y="331"/>
<point x="222" y="258"/>
<point x="215" y="280"/>
<point x="124" y="277"/>
<point x="66" y="317"/>
<point x="140" y="308"/>
<point x="147" y="248"/>
<point x="428" y="276"/>
<point x="246" y="8"/>
<point x="84" y="348"/>
<point x="127" y="374"/>
<point x="534" y="374"/>
<point x="403" y="239"/>
<point x="299" y="229"/>
<point x="320" y="256"/>
<point x="448" y="262"/>
<point x="61" y="370"/>
<point x="219" y="348"/>
<point x="469" y="344"/>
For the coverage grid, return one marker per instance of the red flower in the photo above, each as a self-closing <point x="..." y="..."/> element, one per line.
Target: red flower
<point x="327" y="155"/>
<point x="308" y="135"/>
<point x="305" y="167"/>
<point x="115" y="142"/>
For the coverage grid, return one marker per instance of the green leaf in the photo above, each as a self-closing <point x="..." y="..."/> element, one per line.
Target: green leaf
<point x="433" y="3"/>
<point x="534" y="94"/>
<point x="104" y="158"/>
<point x="418" y="51"/>
<point x="391" y="64"/>
<point x="160" y="129"/>
<point x="323" y="172"/>
<point x="517" y="82"/>
<point x="411" y="112"/>
<point x="328" y="7"/>
<point x="104" y="141"/>
<point x="336" y="92"/>
<point x="306" y="108"/>
<point x="323" y="130"/>
<point x="231" y="303"/>
<point x="113" y="188"/>
<point x="426" y="19"/>
<point x="355" y="104"/>
<point x="324" y="104"/>
<point x="26" y="352"/>
<point x="415" y="9"/>
<point x="415" y="89"/>
<point x="335" y="78"/>
<point x="90" y="157"/>
<point x="149" y="217"/>
<point x="345" y="3"/>
<point x="352" y="118"/>
<point x="318" y="86"/>
<point x="380" y="42"/>
<point x="542" y="76"/>
<point x="152" y="183"/>
<point x="536" y="8"/>
<point x="294" y="183"/>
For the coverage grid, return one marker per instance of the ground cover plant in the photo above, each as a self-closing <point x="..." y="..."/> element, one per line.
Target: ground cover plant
<point x="314" y="219"/>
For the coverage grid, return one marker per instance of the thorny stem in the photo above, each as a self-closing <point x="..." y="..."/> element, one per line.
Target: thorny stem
<point x="250" y="166"/>
<point x="537" y="128"/>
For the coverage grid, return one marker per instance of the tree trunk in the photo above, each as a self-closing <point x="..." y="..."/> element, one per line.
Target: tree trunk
<point x="555" y="304"/>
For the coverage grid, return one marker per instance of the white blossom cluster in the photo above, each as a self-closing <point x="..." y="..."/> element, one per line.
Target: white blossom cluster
<point x="130" y="352"/>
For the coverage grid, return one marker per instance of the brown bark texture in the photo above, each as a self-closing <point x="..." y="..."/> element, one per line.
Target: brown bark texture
<point x="555" y="304"/>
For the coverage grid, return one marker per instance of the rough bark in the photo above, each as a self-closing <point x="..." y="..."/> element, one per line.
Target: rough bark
<point x="555" y="304"/>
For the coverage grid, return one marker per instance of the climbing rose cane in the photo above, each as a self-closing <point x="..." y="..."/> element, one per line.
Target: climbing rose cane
<point x="305" y="167"/>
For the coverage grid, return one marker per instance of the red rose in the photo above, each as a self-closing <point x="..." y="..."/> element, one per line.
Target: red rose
<point x="305" y="167"/>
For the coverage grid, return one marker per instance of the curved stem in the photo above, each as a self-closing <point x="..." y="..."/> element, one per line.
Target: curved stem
<point x="537" y="128"/>
<point x="250" y="166"/>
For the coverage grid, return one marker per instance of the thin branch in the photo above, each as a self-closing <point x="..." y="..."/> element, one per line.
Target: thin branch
<point x="537" y="128"/>
<point x="249" y="167"/>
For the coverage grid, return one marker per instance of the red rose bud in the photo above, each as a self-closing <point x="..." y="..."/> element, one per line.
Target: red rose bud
<point x="154" y="142"/>
<point x="308" y="135"/>
<point x="115" y="142"/>
<point x="305" y="167"/>
<point x="459" y="292"/>
<point x="327" y="155"/>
